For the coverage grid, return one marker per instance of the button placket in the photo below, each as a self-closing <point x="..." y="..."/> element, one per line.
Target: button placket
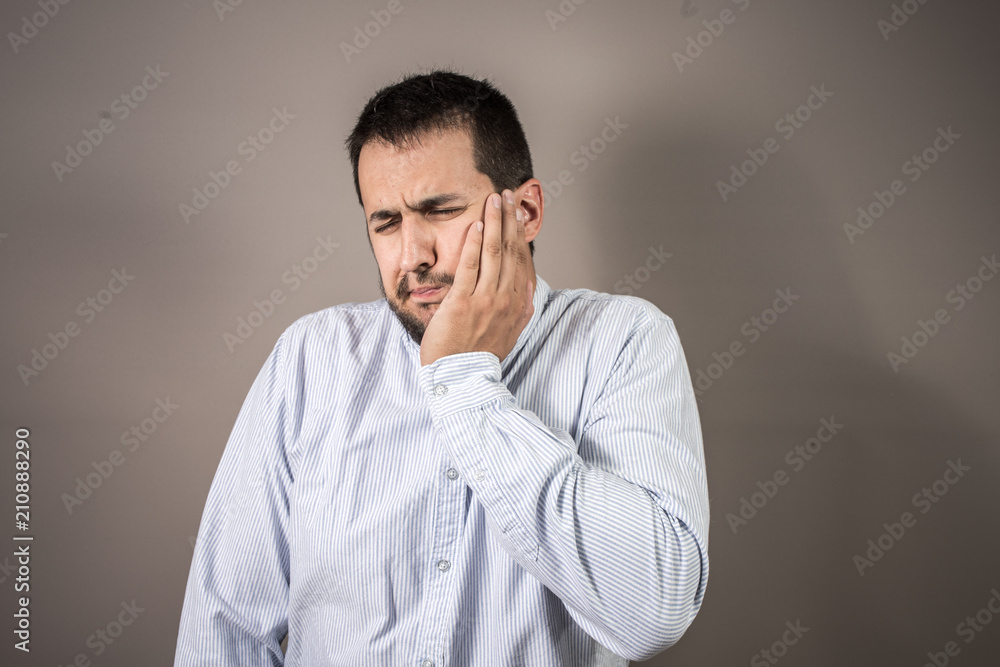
<point x="449" y="525"/>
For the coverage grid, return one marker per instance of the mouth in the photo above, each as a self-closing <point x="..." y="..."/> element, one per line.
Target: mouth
<point x="427" y="294"/>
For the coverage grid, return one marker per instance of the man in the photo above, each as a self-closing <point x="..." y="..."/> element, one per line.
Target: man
<point x="474" y="470"/>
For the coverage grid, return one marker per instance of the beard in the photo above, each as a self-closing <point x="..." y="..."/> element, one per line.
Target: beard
<point x="413" y="325"/>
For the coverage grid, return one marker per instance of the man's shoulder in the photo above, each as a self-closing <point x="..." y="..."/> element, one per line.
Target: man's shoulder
<point x="601" y="307"/>
<point x="345" y="320"/>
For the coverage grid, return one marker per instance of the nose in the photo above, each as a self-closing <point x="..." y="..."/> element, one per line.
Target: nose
<point x="417" y="253"/>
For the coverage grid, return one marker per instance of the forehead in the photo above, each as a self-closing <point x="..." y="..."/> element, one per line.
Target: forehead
<point x="434" y="163"/>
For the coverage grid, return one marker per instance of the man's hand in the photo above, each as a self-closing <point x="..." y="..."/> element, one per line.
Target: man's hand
<point x="490" y="301"/>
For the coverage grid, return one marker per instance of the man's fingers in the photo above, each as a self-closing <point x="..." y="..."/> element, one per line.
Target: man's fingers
<point x="511" y="273"/>
<point x="468" y="264"/>
<point x="492" y="248"/>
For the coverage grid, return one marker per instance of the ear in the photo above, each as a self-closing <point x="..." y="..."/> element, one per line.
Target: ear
<point x="531" y="200"/>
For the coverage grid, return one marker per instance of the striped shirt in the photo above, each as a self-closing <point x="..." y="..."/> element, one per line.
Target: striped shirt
<point x="550" y="509"/>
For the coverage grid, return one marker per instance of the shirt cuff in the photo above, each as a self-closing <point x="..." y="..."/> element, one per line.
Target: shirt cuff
<point x="460" y="382"/>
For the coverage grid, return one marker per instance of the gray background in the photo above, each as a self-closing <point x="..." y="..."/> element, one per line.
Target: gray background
<point x="654" y="185"/>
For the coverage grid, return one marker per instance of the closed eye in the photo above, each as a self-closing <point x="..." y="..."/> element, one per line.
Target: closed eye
<point x="434" y="211"/>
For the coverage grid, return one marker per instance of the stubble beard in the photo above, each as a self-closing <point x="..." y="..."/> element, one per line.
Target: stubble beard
<point x="413" y="325"/>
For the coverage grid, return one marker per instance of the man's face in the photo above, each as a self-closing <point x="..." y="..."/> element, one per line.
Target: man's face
<point x="420" y="202"/>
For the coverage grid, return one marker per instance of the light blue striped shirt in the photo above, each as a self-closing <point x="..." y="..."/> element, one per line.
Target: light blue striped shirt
<point x="548" y="510"/>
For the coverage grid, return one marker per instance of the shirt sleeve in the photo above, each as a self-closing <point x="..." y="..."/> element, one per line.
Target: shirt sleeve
<point x="616" y="523"/>
<point x="235" y="606"/>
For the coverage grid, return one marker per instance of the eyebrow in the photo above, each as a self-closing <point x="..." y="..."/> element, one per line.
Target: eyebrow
<point x="424" y="204"/>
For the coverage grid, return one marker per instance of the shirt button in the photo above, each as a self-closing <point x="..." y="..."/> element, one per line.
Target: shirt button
<point x="426" y="663"/>
<point x="440" y="390"/>
<point x="443" y="565"/>
<point x="452" y="473"/>
<point x="480" y="475"/>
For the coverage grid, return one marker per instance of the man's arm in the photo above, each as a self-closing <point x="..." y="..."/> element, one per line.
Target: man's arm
<point x="615" y="524"/>
<point x="235" y="607"/>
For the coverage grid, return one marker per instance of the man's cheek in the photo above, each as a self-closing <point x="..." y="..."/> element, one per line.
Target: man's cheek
<point x="468" y="224"/>
<point x="465" y="235"/>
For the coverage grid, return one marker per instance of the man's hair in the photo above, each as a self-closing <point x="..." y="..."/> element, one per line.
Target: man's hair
<point x="444" y="100"/>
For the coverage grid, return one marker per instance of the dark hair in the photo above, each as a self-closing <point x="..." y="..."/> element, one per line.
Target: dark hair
<point x="444" y="100"/>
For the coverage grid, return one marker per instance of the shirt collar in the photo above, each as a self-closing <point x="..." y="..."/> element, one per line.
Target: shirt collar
<point x="539" y="300"/>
